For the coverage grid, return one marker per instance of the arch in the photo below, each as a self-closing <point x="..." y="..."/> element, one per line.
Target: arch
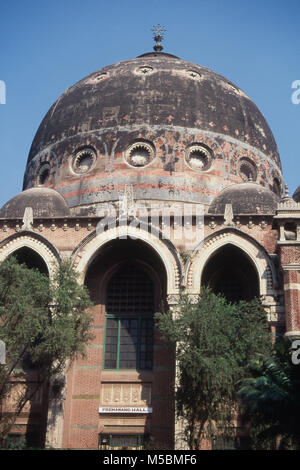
<point x="31" y="259"/>
<point x="255" y="253"/>
<point x="89" y="248"/>
<point x="230" y="272"/>
<point x="35" y="242"/>
<point x="152" y="273"/>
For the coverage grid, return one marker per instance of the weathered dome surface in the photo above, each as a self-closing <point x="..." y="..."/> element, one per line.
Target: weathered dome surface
<point x="45" y="202"/>
<point x="121" y="94"/>
<point x="246" y="199"/>
<point x="200" y="130"/>
<point x="296" y="195"/>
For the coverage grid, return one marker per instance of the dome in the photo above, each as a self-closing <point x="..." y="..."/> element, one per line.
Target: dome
<point x="296" y="195"/>
<point x="172" y="129"/>
<point x="246" y="199"/>
<point x="45" y="202"/>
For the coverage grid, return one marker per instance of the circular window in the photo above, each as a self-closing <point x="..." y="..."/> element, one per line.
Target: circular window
<point x="84" y="160"/>
<point x="193" y="74"/>
<point x="140" y="154"/>
<point x="199" y="157"/>
<point x="44" y="173"/>
<point x="247" y="169"/>
<point x="100" y="76"/>
<point x="146" y="69"/>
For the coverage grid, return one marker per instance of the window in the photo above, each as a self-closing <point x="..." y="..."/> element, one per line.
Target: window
<point x="121" y="441"/>
<point x="140" y="154"/>
<point x="247" y="169"/>
<point x="44" y="173"/>
<point x="199" y="157"/>
<point x="84" y="160"/>
<point x="129" y="320"/>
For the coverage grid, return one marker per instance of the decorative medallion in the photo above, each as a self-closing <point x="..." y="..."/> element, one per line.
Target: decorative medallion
<point x="199" y="157"/>
<point x="84" y="160"/>
<point x="139" y="154"/>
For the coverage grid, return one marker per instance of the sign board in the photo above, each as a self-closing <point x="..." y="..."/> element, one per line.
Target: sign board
<point x="125" y="409"/>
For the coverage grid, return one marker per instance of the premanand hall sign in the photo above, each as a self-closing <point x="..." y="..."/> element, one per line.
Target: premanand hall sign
<point x="125" y="409"/>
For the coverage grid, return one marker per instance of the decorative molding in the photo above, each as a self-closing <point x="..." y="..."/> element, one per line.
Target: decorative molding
<point x="212" y="223"/>
<point x="228" y="215"/>
<point x="290" y="267"/>
<point x="15" y="242"/>
<point x="291" y="286"/>
<point x="89" y="248"/>
<point x="250" y="223"/>
<point x="256" y="254"/>
<point x="28" y="219"/>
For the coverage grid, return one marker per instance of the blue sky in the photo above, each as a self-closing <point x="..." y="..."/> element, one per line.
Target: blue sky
<point x="46" y="46"/>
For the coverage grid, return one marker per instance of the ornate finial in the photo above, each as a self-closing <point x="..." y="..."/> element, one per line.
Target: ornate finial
<point x="28" y="219"/>
<point x="158" y="35"/>
<point x="286" y="191"/>
<point x="228" y="215"/>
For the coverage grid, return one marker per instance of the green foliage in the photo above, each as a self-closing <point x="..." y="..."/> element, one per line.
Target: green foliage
<point x="271" y="399"/>
<point x="185" y="256"/>
<point x="14" y="443"/>
<point x="214" y="342"/>
<point x="43" y="324"/>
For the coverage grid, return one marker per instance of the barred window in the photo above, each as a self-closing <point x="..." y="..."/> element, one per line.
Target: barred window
<point x="121" y="441"/>
<point x="129" y="320"/>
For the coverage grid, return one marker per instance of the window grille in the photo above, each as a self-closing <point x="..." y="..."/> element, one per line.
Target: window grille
<point x="121" y="441"/>
<point x="129" y="320"/>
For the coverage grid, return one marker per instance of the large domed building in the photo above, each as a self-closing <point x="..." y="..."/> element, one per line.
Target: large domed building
<point x="151" y="175"/>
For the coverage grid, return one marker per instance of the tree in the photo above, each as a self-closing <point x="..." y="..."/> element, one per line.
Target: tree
<point x="214" y="341"/>
<point x="270" y="397"/>
<point x="43" y="323"/>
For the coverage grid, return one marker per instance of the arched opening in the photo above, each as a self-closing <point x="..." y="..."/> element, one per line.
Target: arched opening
<point x="31" y="259"/>
<point x="122" y="252"/>
<point x="127" y="281"/>
<point x="231" y="273"/>
<point x="35" y="415"/>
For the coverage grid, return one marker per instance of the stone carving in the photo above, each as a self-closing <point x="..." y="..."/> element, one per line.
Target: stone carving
<point x="228" y="215"/>
<point x="129" y="394"/>
<point x="127" y="202"/>
<point x="28" y="219"/>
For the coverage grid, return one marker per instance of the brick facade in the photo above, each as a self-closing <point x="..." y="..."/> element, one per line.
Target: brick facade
<point x="83" y="163"/>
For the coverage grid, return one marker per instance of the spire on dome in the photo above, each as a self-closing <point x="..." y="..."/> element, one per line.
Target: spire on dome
<point x="158" y="36"/>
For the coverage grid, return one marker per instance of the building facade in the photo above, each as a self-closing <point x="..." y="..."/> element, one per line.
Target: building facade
<point x="151" y="175"/>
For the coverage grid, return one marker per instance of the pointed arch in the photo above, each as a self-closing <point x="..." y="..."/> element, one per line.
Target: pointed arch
<point x="256" y="254"/>
<point x="35" y="242"/>
<point x="89" y="248"/>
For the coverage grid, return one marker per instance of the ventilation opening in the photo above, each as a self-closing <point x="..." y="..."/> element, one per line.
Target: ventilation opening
<point x="276" y="187"/>
<point x="140" y="154"/>
<point x="44" y="173"/>
<point x="199" y="158"/>
<point x="247" y="170"/>
<point x="84" y="160"/>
